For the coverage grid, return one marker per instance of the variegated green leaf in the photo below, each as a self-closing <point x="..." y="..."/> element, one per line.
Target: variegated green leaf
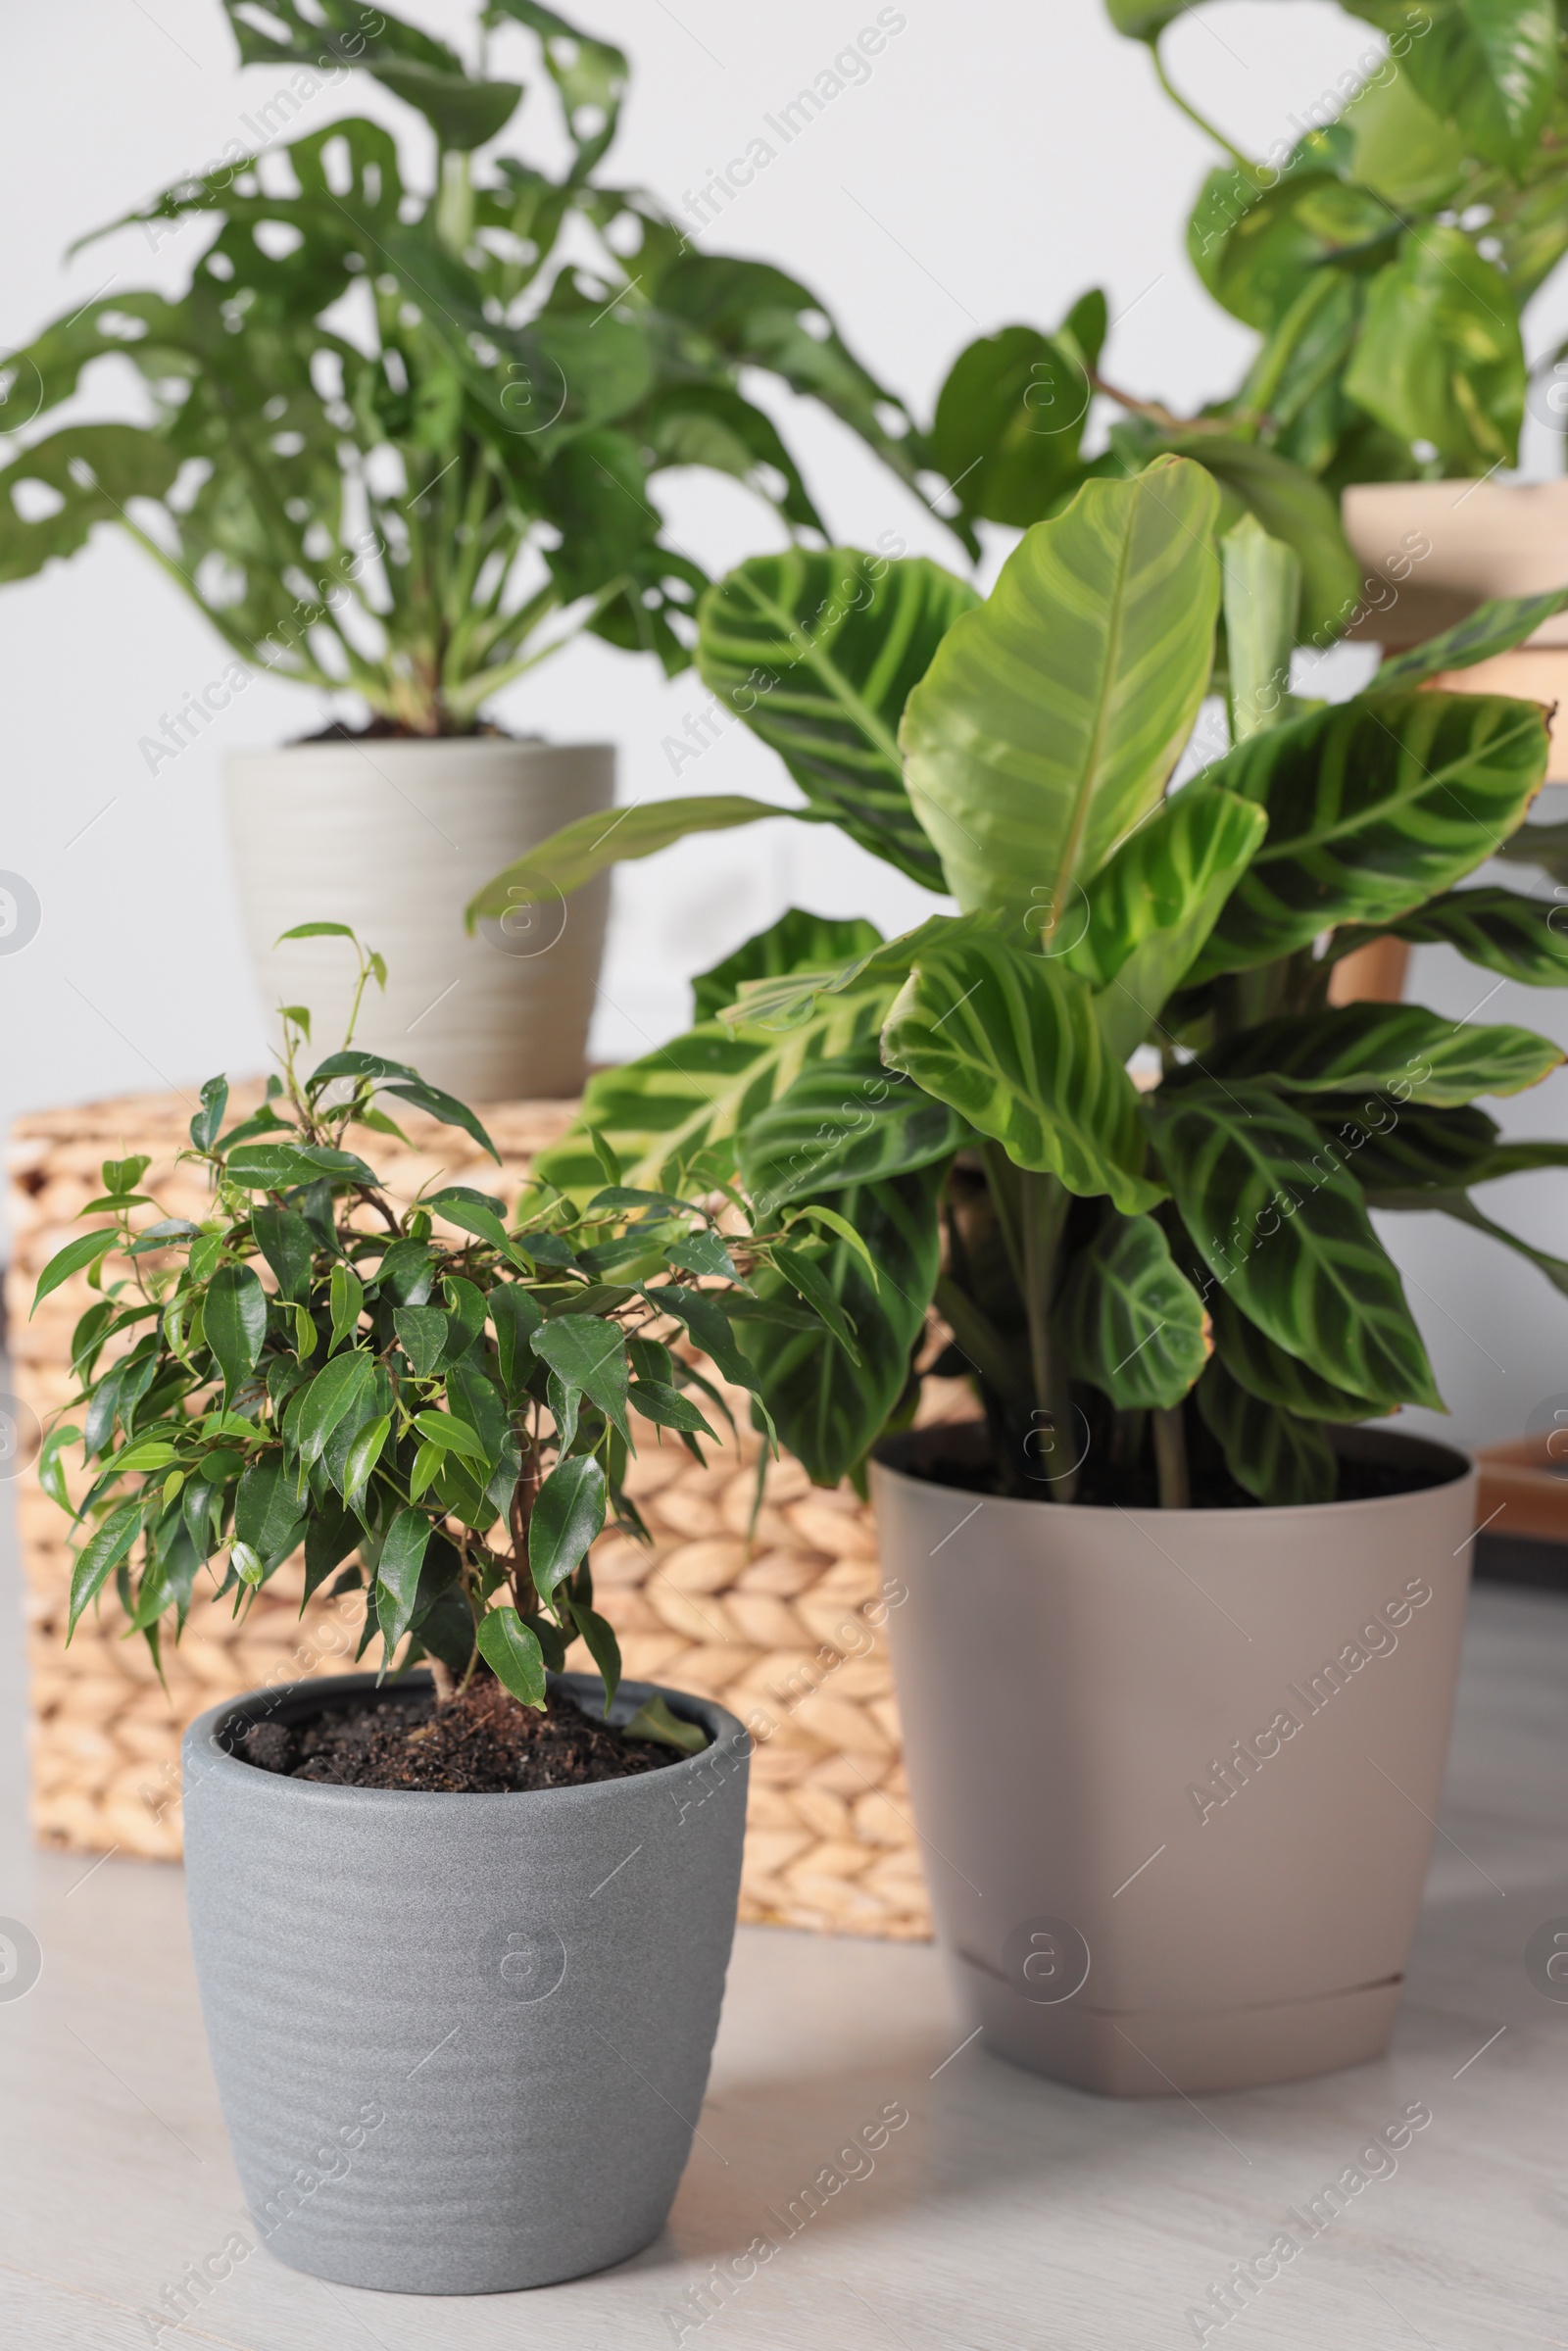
<point x="1131" y="1321"/>
<point x="1282" y="1459"/>
<point x="1010" y="1042"/>
<point x="1262" y="596"/>
<point x="1273" y="1376"/>
<point x="1373" y="806"/>
<point x="1151" y="909"/>
<point x="698" y="1094"/>
<point x="828" y="1410"/>
<point x="1050" y="718"/>
<point x="796" y="943"/>
<point x="611" y="837"/>
<point x="1491" y="628"/>
<point x="1276" y="1217"/>
<point x="1525" y="939"/>
<point x="1392" y="1148"/>
<point x="817" y="651"/>
<point x="849" y="1120"/>
<point x="1402" y="1049"/>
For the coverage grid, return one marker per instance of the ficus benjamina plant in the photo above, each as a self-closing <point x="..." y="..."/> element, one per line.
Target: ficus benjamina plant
<point x="1104" y="1118"/>
<point x="401" y="436"/>
<point x="435" y="1402"/>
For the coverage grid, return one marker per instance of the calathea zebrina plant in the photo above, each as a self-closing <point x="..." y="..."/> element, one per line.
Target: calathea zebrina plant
<point x="438" y="1396"/>
<point x="1163" y="1280"/>
<point x="402" y="438"/>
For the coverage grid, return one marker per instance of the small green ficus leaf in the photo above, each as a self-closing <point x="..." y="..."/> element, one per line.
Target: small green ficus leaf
<point x="655" y="1720"/>
<point x="234" y="1323"/>
<point x="567" y="1515"/>
<point x="511" y="1648"/>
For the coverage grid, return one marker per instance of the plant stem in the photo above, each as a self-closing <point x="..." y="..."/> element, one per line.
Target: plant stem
<point x="1044" y="1203"/>
<point x="446" y="1689"/>
<point x="1170" y="1460"/>
<point x="1241" y="161"/>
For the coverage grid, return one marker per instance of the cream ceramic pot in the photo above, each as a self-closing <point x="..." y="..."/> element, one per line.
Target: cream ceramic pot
<point x="1175" y="1770"/>
<point x="394" y="838"/>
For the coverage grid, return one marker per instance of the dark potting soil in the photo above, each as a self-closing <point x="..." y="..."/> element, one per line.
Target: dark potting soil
<point x="481" y="1743"/>
<point x="388" y="730"/>
<point x="1104" y="1485"/>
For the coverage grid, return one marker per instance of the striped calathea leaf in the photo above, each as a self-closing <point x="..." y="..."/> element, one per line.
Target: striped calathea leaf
<point x="1281" y="1224"/>
<point x="830" y="1401"/>
<point x="1133" y="1322"/>
<point x="685" y="1105"/>
<point x="1524" y="939"/>
<point x="1280" y="1457"/>
<point x="818" y="653"/>
<point x="1050" y="720"/>
<point x="1374" y="806"/>
<point x="848" y="1119"/>
<point x="1400" y="1050"/>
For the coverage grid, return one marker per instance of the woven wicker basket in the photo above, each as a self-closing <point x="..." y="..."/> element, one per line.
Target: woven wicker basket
<point x="786" y="1626"/>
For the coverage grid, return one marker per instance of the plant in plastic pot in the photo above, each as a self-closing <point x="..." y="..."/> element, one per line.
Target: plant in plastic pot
<point x="1386" y="261"/>
<point x="1162" y="1280"/>
<point x="461" y="1926"/>
<point x="402" y="435"/>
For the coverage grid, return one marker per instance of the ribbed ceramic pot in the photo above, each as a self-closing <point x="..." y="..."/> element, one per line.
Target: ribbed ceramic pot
<point x="461" y="2041"/>
<point x="394" y="838"/>
<point x="1176" y="1770"/>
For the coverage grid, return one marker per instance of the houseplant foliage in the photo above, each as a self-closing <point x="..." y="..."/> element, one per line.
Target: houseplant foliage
<point x="1383" y="261"/>
<point x="1153" y="1287"/>
<point x="1386" y="258"/>
<point x="399" y="436"/>
<point x="447" y="1412"/>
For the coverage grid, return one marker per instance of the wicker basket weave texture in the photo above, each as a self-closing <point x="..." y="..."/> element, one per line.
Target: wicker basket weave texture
<point x="784" y="1622"/>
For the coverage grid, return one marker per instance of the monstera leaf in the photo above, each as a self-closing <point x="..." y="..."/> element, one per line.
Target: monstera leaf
<point x="91" y="472"/>
<point x="1133" y="1323"/>
<point x="1010" y="1041"/>
<point x="828" y="1409"/>
<point x="424" y="73"/>
<point x="818" y="653"/>
<point x="1277" y="1219"/>
<point x="1050" y="720"/>
<point x="1373" y="806"/>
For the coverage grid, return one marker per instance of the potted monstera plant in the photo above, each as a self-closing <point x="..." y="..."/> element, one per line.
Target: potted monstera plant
<point x="400" y="442"/>
<point x="461" y="1924"/>
<point x="1184" y="1614"/>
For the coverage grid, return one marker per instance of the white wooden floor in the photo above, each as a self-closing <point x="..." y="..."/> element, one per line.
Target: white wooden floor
<point x="1008" y="2213"/>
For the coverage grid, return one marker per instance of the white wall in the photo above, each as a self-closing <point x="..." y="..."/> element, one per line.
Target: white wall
<point x="1002" y="158"/>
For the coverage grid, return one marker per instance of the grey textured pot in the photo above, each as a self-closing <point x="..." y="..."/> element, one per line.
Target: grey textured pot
<point x="461" y="2041"/>
<point x="1176" y="1770"/>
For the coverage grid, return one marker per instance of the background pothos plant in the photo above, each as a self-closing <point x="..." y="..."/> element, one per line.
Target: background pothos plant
<point x="447" y="1410"/>
<point x="1158" y="1288"/>
<point x="1385" y="260"/>
<point x="402" y="438"/>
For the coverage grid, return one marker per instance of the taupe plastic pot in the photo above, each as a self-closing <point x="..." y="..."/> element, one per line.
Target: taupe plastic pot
<point x="394" y="838"/>
<point x="461" y="2041"/>
<point x="1175" y="1770"/>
